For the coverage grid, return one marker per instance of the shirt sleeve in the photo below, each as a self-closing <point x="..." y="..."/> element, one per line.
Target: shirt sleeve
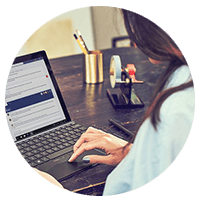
<point x="176" y="121"/>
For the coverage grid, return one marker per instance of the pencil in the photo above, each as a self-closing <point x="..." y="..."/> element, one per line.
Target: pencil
<point x="81" y="37"/>
<point x="121" y="127"/>
<point x="81" y="45"/>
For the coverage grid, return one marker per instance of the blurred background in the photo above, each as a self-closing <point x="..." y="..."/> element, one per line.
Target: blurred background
<point x="98" y="26"/>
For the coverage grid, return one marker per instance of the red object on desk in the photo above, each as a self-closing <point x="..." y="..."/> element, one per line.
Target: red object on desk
<point x="132" y="71"/>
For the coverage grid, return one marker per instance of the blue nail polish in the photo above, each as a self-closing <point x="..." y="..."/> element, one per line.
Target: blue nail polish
<point x="86" y="160"/>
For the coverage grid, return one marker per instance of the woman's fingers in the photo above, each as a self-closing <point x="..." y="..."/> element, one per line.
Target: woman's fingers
<point x="92" y="139"/>
<point x="99" y="159"/>
<point x="89" y="135"/>
<point x="86" y="147"/>
<point x="84" y="138"/>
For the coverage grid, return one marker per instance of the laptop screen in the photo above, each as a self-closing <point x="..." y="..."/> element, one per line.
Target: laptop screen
<point x="33" y="99"/>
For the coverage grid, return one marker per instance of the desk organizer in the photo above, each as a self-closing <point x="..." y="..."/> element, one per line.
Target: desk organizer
<point x="93" y="67"/>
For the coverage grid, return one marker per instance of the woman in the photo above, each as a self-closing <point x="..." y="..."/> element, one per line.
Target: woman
<point x="165" y="126"/>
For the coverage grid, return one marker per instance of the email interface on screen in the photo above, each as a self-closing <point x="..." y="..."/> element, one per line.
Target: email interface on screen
<point x="31" y="100"/>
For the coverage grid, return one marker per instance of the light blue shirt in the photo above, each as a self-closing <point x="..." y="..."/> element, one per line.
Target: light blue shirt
<point x="153" y="151"/>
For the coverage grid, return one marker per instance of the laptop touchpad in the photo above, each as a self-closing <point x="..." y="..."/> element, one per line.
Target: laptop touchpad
<point x="60" y="168"/>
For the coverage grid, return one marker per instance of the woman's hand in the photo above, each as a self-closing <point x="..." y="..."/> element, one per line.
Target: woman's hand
<point x="115" y="148"/>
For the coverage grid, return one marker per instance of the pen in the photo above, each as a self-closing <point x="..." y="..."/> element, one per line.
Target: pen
<point x="80" y="36"/>
<point x="80" y="45"/>
<point x="121" y="127"/>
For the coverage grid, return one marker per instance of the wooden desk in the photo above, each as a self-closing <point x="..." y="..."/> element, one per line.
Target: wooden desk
<point x="89" y="105"/>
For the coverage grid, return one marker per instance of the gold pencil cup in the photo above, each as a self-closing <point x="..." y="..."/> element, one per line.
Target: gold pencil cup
<point x="93" y="68"/>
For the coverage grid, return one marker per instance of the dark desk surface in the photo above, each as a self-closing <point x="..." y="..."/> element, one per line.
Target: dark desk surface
<point x="89" y="105"/>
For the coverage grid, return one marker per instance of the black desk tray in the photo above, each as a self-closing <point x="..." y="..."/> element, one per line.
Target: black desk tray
<point x="120" y="100"/>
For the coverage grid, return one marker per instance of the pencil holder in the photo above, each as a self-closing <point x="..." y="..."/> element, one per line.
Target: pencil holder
<point x="93" y="68"/>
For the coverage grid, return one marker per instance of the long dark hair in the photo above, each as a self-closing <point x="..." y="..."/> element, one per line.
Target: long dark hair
<point x="157" y="45"/>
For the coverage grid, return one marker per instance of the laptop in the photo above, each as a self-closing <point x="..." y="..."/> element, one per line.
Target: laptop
<point x="38" y="118"/>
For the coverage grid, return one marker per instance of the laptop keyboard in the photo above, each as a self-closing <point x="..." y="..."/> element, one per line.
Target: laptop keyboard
<point x="47" y="146"/>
